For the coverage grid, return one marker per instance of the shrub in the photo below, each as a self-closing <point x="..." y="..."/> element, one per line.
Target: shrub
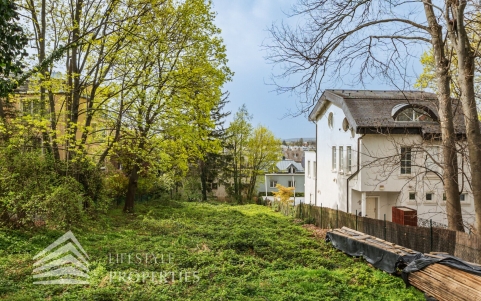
<point x="35" y="189"/>
<point x="64" y="206"/>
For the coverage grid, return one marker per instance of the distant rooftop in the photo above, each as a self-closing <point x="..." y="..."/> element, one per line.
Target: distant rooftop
<point x="283" y="166"/>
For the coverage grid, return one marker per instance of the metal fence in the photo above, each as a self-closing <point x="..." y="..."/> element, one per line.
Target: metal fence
<point x="432" y="238"/>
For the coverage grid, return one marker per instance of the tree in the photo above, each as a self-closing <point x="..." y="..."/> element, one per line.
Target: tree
<point x="284" y="194"/>
<point x="263" y="152"/>
<point x="94" y="32"/>
<point x="238" y="133"/>
<point x="379" y="37"/>
<point x="13" y="41"/>
<point x="211" y="164"/>
<point x="175" y="72"/>
<point x="459" y="19"/>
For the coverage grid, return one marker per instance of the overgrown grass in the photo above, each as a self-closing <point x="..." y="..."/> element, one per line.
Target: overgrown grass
<point x="239" y="252"/>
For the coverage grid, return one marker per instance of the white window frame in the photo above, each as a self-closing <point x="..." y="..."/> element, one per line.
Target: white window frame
<point x="349" y="159"/>
<point x="401" y="160"/>
<point x="309" y="169"/>
<point x="272" y="184"/>
<point x="433" y="197"/>
<point x="315" y="169"/>
<point x="412" y="201"/>
<point x="341" y="158"/>
<point x="467" y="200"/>
<point x="334" y="158"/>
<point x="289" y="183"/>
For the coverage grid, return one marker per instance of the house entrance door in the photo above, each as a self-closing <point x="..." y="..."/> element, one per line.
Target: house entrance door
<point x="371" y="207"/>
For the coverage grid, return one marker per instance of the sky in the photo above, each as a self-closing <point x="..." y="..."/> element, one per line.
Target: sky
<point x="244" y="24"/>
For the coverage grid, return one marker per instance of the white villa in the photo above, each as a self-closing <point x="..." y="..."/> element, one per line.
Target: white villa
<point x="379" y="149"/>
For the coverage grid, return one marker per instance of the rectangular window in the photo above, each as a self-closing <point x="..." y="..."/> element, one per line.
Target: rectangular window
<point x="333" y="158"/>
<point x="444" y="196"/>
<point x="309" y="169"/>
<point x="429" y="196"/>
<point x="463" y="197"/>
<point x="292" y="184"/>
<point x="273" y="184"/>
<point x="341" y="158"/>
<point x="406" y="157"/>
<point x="412" y="196"/>
<point x="315" y="169"/>
<point x="31" y="106"/>
<point x="349" y="159"/>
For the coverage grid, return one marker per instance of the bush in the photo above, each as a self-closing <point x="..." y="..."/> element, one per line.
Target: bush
<point x="37" y="190"/>
<point x="65" y="204"/>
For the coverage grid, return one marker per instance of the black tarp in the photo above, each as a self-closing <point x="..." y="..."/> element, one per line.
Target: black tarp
<point x="448" y="260"/>
<point x="377" y="256"/>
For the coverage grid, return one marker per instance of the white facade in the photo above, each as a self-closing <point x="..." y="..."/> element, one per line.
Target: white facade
<point x="310" y="188"/>
<point x="378" y="185"/>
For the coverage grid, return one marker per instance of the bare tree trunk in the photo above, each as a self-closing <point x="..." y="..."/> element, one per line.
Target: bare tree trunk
<point x="468" y="100"/>
<point x="450" y="167"/>
<point x="203" y="179"/>
<point x="132" y="189"/>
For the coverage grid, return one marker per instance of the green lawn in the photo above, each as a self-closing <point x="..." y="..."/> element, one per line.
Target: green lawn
<point x="217" y="252"/>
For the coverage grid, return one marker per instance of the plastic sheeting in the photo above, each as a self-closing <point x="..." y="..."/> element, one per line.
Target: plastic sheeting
<point x="448" y="260"/>
<point x="377" y="256"/>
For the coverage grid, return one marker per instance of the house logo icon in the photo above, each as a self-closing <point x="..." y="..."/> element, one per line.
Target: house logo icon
<point x="63" y="262"/>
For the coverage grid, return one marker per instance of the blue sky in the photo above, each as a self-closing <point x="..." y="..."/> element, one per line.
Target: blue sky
<point x="244" y="24"/>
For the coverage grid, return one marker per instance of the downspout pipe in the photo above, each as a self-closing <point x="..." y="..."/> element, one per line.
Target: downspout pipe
<point x="355" y="173"/>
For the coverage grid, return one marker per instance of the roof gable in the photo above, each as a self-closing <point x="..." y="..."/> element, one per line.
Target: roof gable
<point x="369" y="111"/>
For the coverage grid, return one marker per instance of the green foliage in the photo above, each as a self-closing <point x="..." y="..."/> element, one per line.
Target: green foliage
<point x="13" y="41"/>
<point x="191" y="189"/>
<point x="64" y="206"/>
<point x="251" y="152"/>
<point x="36" y="190"/>
<point x="115" y="183"/>
<point x="240" y="252"/>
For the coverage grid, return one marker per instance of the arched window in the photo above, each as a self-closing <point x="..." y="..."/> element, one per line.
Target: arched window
<point x="330" y="120"/>
<point x="409" y="112"/>
<point x="345" y="125"/>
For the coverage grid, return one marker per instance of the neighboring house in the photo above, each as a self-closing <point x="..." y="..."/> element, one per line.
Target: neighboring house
<point x="27" y="103"/>
<point x="294" y="153"/>
<point x="379" y="149"/>
<point x="289" y="174"/>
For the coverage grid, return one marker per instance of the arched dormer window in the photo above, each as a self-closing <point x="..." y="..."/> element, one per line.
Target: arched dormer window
<point x="330" y="120"/>
<point x="412" y="112"/>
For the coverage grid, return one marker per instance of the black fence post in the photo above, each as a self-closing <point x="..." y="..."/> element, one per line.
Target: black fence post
<point x="431" y="233"/>
<point x="384" y="226"/>
<point x="356" y="219"/>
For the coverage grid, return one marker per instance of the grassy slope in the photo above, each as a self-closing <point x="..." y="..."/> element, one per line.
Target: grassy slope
<point x="240" y="253"/>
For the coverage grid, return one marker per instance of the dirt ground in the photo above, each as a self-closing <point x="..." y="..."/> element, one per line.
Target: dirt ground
<point x="316" y="232"/>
